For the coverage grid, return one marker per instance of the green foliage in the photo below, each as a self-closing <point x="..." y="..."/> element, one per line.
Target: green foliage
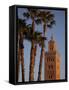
<point x="26" y="14"/>
<point x="47" y="18"/>
<point x="38" y="21"/>
<point x="40" y="17"/>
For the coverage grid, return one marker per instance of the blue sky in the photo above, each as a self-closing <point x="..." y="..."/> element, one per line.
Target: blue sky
<point x="58" y="31"/>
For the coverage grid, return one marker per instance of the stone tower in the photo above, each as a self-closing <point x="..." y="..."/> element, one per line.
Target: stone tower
<point x="52" y="62"/>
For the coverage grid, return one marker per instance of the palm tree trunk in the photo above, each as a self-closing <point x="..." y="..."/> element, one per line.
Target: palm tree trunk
<point x="40" y="65"/>
<point x="35" y="50"/>
<point x="17" y="66"/>
<point x="33" y="25"/>
<point x="31" y="75"/>
<point x="35" y="53"/>
<point x="44" y="28"/>
<point x="20" y="58"/>
<point x="22" y="54"/>
<point x="22" y="63"/>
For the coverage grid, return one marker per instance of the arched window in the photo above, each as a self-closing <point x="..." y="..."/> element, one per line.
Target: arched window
<point x="50" y="76"/>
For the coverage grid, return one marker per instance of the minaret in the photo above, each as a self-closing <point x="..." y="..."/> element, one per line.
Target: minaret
<point x="52" y="61"/>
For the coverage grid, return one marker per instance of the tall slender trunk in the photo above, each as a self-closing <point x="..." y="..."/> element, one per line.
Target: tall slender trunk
<point x="32" y="63"/>
<point x="22" y="63"/>
<point x="17" y="66"/>
<point x="33" y="25"/>
<point x="45" y="30"/>
<point x="20" y="57"/>
<point x="35" y="50"/>
<point x="18" y="60"/>
<point x="31" y="76"/>
<point x="40" y="65"/>
<point x="31" y="73"/>
<point x="41" y="57"/>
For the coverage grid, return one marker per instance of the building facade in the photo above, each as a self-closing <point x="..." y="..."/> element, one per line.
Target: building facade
<point x="52" y="62"/>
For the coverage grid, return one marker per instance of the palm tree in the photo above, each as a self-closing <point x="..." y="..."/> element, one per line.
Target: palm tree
<point x="47" y="18"/>
<point x="32" y="13"/>
<point x="22" y="30"/>
<point x="37" y="40"/>
<point x="37" y="36"/>
<point x="41" y="57"/>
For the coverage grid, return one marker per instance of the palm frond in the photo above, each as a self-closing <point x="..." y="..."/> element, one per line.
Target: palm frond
<point x="26" y="14"/>
<point x="49" y="25"/>
<point x="53" y="22"/>
<point x="38" y="21"/>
